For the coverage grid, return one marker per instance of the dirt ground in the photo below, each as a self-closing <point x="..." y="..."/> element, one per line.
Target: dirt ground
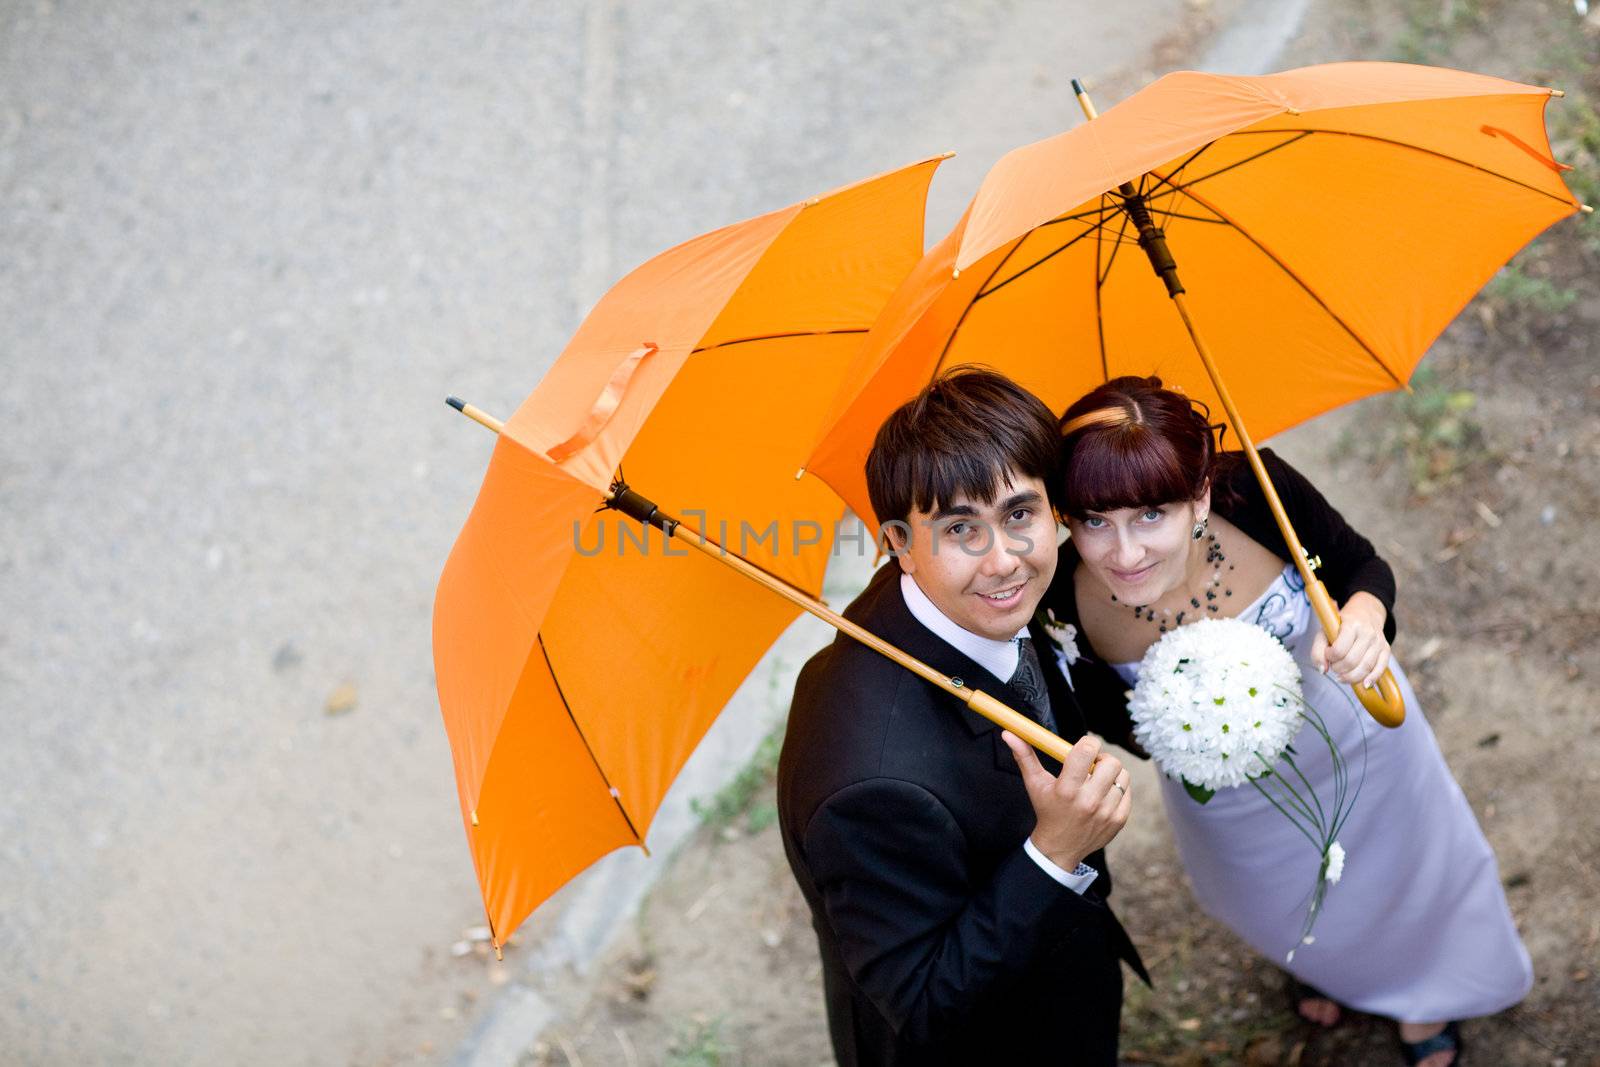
<point x="1481" y="488"/>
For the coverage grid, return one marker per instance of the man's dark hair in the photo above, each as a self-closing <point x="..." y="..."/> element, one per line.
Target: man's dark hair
<point x="959" y="437"/>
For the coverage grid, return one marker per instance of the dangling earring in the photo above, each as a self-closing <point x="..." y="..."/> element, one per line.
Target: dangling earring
<point x="1200" y="529"/>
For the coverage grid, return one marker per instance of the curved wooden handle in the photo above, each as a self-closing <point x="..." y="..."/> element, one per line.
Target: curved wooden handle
<point x="1385" y="704"/>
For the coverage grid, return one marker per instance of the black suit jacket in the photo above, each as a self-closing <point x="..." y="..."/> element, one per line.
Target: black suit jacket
<point x="903" y="817"/>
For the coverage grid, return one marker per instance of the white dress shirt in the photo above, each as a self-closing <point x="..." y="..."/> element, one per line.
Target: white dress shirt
<point x="999" y="658"/>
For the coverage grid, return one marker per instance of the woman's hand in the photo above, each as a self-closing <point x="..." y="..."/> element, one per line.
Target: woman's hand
<point x="1361" y="654"/>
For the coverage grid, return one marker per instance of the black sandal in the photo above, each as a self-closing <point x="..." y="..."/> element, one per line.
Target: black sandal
<point x="1446" y="1040"/>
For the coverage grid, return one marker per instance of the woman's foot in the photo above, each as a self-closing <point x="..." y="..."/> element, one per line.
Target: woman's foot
<point x="1313" y="1007"/>
<point x="1312" y="1004"/>
<point x="1431" y="1044"/>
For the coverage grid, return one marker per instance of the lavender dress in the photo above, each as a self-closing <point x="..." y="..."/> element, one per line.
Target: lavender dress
<point x="1417" y="929"/>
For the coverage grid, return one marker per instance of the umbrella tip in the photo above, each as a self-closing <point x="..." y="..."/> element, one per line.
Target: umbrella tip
<point x="1558" y="92"/>
<point x="1077" y="87"/>
<point x="947" y="155"/>
<point x="801" y="473"/>
<point x="456" y="402"/>
<point x="1586" y="209"/>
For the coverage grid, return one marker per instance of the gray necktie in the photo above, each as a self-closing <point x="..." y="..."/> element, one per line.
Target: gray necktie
<point x="1029" y="681"/>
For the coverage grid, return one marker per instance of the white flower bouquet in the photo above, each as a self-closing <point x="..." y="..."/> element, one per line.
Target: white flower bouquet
<point x="1217" y="704"/>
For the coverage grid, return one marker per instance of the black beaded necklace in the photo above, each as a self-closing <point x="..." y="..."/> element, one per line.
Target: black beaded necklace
<point x="1213" y="592"/>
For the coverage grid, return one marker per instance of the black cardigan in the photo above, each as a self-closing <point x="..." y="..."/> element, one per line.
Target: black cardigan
<point x="1349" y="565"/>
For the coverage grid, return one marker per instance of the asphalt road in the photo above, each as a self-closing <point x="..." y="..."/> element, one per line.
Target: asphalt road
<point x="246" y="249"/>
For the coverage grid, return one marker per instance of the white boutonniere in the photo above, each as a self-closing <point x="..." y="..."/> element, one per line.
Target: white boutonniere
<point x="1064" y="634"/>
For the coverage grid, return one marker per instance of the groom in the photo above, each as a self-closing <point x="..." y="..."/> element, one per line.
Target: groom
<point x="957" y="886"/>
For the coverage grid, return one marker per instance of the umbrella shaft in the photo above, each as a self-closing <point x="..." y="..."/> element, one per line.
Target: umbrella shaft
<point x="1151" y="238"/>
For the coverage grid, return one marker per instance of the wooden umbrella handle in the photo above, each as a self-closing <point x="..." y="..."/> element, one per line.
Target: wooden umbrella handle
<point x="1384" y="703"/>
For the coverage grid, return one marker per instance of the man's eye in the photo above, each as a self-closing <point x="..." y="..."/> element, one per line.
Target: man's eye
<point x="1021" y="515"/>
<point x="956" y="529"/>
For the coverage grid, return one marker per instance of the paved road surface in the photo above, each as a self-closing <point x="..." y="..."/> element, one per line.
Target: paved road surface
<point x="245" y="251"/>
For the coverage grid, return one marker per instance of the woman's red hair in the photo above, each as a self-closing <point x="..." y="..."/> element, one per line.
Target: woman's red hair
<point x="1132" y="443"/>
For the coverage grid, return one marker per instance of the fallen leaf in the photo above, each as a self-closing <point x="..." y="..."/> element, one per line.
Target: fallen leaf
<point x="341" y="700"/>
<point x="639" y="983"/>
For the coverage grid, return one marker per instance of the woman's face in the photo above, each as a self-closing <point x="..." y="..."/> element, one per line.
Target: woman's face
<point x="1140" y="553"/>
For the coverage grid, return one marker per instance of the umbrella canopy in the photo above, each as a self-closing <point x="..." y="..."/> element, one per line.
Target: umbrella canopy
<point x="1327" y="222"/>
<point x="578" y="667"/>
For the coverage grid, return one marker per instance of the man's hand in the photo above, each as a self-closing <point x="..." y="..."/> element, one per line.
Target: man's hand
<point x="1080" y="810"/>
<point x="1360" y="655"/>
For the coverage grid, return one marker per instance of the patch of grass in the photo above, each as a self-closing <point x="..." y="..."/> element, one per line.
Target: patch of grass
<point x="1432" y="28"/>
<point x="1515" y="288"/>
<point x="724" y="807"/>
<point x="1433" y="432"/>
<point x="1575" y="140"/>
<point x="699" y="1044"/>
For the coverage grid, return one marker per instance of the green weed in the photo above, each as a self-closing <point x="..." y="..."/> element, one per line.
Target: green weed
<point x="737" y="798"/>
<point x="698" y="1044"/>
<point x="1513" y="287"/>
<point x="1432" y="431"/>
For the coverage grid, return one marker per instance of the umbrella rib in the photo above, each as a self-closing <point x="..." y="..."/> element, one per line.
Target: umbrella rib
<point x="777" y="337"/>
<point x="1186" y="218"/>
<point x="944" y="352"/>
<point x="1425" y="151"/>
<point x="1152" y="197"/>
<point x="1198" y="152"/>
<point x="1186" y="186"/>
<point x="616" y="798"/>
<point x="1095" y="229"/>
<point x="1070" y="218"/>
<point x="1281" y="265"/>
<point x="1116" y="246"/>
<point x="1099" y="317"/>
<point x="1176" y="174"/>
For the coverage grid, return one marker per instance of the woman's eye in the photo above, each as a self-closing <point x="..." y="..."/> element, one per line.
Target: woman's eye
<point x="1151" y="514"/>
<point x="1093" y="522"/>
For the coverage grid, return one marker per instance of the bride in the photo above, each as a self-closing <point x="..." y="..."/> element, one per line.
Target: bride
<point x="1165" y="531"/>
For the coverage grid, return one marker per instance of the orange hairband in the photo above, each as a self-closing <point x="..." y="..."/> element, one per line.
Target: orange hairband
<point x="1112" y="416"/>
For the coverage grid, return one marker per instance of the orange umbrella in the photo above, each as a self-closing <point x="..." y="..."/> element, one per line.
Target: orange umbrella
<point x="579" y="660"/>
<point x="1327" y="223"/>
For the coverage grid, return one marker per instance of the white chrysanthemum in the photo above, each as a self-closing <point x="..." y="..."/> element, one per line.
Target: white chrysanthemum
<point x="1213" y="696"/>
<point x="1335" y="863"/>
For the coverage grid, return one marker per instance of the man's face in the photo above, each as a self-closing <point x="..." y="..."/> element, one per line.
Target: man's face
<point x="984" y="566"/>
